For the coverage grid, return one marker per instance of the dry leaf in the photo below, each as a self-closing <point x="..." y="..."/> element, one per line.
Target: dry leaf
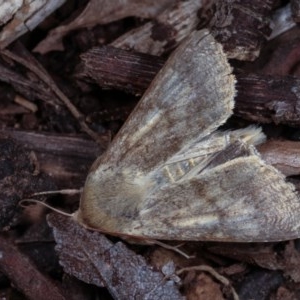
<point x="92" y="258"/>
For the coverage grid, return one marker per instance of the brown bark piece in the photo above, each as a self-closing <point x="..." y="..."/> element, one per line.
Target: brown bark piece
<point x="30" y="88"/>
<point x="27" y="60"/>
<point x="165" y="32"/>
<point x="120" y="69"/>
<point x="102" y="12"/>
<point x="24" y="275"/>
<point x="295" y="7"/>
<point x="242" y="26"/>
<point x="267" y="98"/>
<point x="260" y="98"/>
<point x="281" y="56"/>
<point x="283" y="155"/>
<point x="66" y="157"/>
<point x="18" y="17"/>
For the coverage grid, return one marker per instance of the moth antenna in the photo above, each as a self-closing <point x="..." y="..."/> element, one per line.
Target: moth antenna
<point x="21" y="203"/>
<point x="62" y="192"/>
<point x="173" y="248"/>
<point x="213" y="273"/>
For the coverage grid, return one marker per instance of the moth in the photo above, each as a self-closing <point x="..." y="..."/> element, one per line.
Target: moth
<point x="169" y="174"/>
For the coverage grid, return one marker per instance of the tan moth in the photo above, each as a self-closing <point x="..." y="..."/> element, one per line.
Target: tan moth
<point x="169" y="174"/>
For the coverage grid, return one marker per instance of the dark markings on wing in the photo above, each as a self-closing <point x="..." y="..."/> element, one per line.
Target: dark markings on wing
<point x="243" y="200"/>
<point x="189" y="98"/>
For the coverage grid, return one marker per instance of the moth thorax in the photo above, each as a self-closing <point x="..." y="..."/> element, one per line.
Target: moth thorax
<point x="110" y="200"/>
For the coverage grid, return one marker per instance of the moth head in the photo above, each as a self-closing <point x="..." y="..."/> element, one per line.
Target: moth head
<point x="111" y="199"/>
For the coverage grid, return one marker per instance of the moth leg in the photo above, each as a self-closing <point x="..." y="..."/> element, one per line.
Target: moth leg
<point x="169" y="247"/>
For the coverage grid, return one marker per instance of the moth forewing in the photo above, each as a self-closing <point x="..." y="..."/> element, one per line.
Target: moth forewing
<point x="195" y="81"/>
<point x="242" y="200"/>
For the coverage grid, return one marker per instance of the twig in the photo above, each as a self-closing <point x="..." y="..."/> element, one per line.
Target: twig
<point x="212" y="272"/>
<point x="18" y="268"/>
<point x="45" y="77"/>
